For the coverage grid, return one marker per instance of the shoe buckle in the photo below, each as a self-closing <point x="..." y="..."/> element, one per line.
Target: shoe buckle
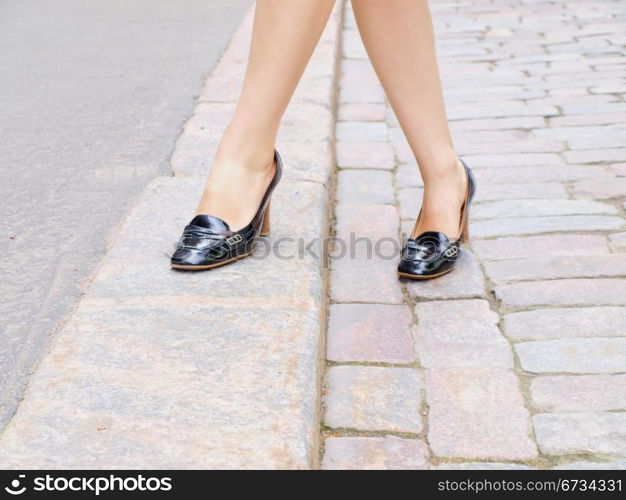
<point x="451" y="252"/>
<point x="233" y="240"/>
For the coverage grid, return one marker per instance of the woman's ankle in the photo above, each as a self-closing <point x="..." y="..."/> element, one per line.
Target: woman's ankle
<point x="442" y="170"/>
<point x="260" y="159"/>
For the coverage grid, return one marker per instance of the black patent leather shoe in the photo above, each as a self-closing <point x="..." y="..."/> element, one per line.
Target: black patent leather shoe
<point x="432" y="254"/>
<point x="208" y="242"/>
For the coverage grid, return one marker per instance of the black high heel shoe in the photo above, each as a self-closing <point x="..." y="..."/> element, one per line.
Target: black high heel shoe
<point x="208" y="241"/>
<point x="432" y="254"/>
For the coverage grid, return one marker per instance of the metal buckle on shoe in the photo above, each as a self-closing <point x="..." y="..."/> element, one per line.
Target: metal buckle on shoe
<point x="233" y="240"/>
<point x="451" y="252"/>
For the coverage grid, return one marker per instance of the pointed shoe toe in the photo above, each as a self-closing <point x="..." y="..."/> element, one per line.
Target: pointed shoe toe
<point x="208" y="242"/>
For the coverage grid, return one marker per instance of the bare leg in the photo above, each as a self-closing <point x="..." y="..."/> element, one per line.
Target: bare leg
<point x="284" y="36"/>
<point x="399" y="39"/>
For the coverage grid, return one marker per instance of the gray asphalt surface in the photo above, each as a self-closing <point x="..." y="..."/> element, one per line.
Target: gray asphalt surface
<point x="92" y="97"/>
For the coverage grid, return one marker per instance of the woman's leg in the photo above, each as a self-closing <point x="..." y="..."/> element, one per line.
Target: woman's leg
<point x="399" y="39"/>
<point x="284" y="36"/>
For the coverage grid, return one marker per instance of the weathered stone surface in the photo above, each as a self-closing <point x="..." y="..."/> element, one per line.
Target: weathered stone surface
<point x="408" y="175"/>
<point x="482" y="466"/>
<point x="361" y="131"/>
<point x="460" y="334"/>
<point x="226" y="364"/>
<point x="352" y="47"/>
<point x="371" y="398"/>
<point x="533" y="208"/>
<point x="465" y="281"/>
<point x="305" y="122"/>
<point x="365" y="155"/>
<point x="596" y="155"/>
<point x="597" y="355"/>
<point x="617" y="465"/>
<point x="578" y="433"/>
<point x="298" y="158"/>
<point x="490" y="124"/>
<point x="363" y="280"/>
<point x="602" y="189"/>
<point x="557" y="322"/>
<point x="525" y="146"/>
<point x="579" y="393"/>
<point x="376" y="453"/>
<point x="358" y="83"/>
<point x="410" y="201"/>
<point x="543" y="191"/>
<point x="363" y="266"/>
<point x="512" y="160"/>
<point x="127" y="272"/>
<point x="365" y="186"/>
<point x="537" y="225"/>
<point x="547" y="245"/>
<point x="173" y="329"/>
<point x="567" y="292"/>
<point x="618" y="242"/>
<point x="370" y="332"/>
<point x="572" y="266"/>
<point x="618" y="169"/>
<point x="362" y="111"/>
<point x="477" y="413"/>
<point x="589" y="119"/>
<point x="538" y="174"/>
<point x="499" y="109"/>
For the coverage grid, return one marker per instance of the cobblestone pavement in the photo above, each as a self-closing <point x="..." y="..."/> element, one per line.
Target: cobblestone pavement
<point x="164" y="369"/>
<point x="517" y="359"/>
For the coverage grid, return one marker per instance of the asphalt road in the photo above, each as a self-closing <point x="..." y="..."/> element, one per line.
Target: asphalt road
<point x="92" y="97"/>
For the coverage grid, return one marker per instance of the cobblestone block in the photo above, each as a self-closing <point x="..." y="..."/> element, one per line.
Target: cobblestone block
<point x="543" y="324"/>
<point x="362" y="112"/>
<point x="539" y="174"/>
<point x="376" y="453"/>
<point x="495" y="192"/>
<point x="513" y="160"/>
<point x="477" y="413"/>
<point x="410" y="201"/>
<point x="544" y="245"/>
<point x="361" y="132"/>
<point x="365" y="155"/>
<point x="566" y="292"/>
<point x="579" y="393"/>
<point x="460" y="334"/>
<point x="512" y="226"/>
<point x="581" y="433"/>
<point x="583" y="355"/>
<point x="407" y="175"/>
<point x="371" y="398"/>
<point x="596" y="155"/>
<point x="618" y="242"/>
<point x="617" y="465"/>
<point x="372" y="333"/>
<point x="541" y="207"/>
<point x="365" y="186"/>
<point x="572" y="266"/>
<point x="483" y="466"/>
<point x="602" y="189"/>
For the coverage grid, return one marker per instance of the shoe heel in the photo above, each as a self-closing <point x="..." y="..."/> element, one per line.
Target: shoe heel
<point x="465" y="234"/>
<point x="265" y="227"/>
